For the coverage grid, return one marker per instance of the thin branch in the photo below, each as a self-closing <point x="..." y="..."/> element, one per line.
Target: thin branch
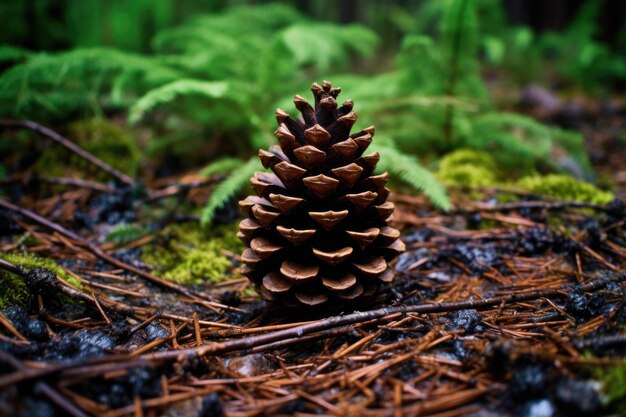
<point x="44" y="388"/>
<point x="101" y="254"/>
<point x="602" y="341"/>
<point x="72" y="182"/>
<point x="68" y="144"/>
<point x="299" y="334"/>
<point x="180" y="189"/>
<point x="547" y="205"/>
<point x="299" y="331"/>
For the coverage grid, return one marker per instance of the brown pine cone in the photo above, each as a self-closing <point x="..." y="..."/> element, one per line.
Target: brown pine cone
<point x="316" y="230"/>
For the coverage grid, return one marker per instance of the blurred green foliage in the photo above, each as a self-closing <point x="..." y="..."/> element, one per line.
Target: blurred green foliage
<point x="97" y="136"/>
<point x="203" y="79"/>
<point x="123" y="234"/>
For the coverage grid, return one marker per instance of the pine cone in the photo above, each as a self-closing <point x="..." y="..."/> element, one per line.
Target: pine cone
<point x="316" y="230"/>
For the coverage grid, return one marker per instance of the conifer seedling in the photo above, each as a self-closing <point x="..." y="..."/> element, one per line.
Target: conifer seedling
<point x="316" y="231"/>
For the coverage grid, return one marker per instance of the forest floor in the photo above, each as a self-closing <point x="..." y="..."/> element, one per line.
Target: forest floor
<point x="497" y="308"/>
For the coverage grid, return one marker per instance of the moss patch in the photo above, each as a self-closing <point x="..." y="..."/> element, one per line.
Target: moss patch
<point x="469" y="168"/>
<point x="189" y="254"/>
<point x="613" y="381"/>
<point x="108" y="142"/>
<point x="563" y="187"/>
<point x="14" y="290"/>
<point x="99" y="137"/>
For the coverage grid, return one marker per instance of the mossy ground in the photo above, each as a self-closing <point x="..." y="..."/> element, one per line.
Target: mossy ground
<point x="99" y="137"/>
<point x="14" y="290"/>
<point x="613" y="382"/>
<point x="467" y="167"/>
<point x="189" y="254"/>
<point x="474" y="169"/>
<point x="563" y="187"/>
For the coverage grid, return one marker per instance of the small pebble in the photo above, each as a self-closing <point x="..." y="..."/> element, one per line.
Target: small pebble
<point x="467" y="320"/>
<point x="539" y="408"/>
<point x="211" y="406"/>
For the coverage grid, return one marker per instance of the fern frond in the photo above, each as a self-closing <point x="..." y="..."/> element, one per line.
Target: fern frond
<point x="527" y="137"/>
<point x="408" y="169"/>
<point x="574" y="144"/>
<point x="427" y="75"/>
<point x="323" y="45"/>
<point x="11" y="54"/>
<point x="221" y="166"/>
<point x="126" y="233"/>
<point x="218" y="46"/>
<point x="229" y="187"/>
<point x="63" y="83"/>
<point x="168" y="92"/>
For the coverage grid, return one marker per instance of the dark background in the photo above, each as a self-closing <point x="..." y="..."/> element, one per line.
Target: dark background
<point x="130" y="24"/>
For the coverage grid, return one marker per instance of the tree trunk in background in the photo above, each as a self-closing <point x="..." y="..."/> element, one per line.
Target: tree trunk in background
<point x="557" y="14"/>
<point x="49" y="25"/>
<point x="542" y="15"/>
<point x="348" y="12"/>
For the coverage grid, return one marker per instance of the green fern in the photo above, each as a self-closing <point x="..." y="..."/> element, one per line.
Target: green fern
<point x="123" y="234"/>
<point x="447" y="67"/>
<point x="10" y="55"/>
<point x="325" y="45"/>
<point x="408" y="169"/>
<point x="221" y="166"/>
<point x="168" y="93"/>
<point x="229" y="187"/>
<point x="218" y="46"/>
<point x="232" y="71"/>
<point x="521" y="136"/>
<point x="79" y="81"/>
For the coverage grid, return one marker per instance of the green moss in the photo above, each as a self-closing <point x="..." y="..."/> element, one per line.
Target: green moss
<point x="14" y="291"/>
<point x="563" y="187"/>
<point x="467" y="157"/>
<point x="27" y="240"/>
<point x="466" y="167"/>
<point x="613" y="380"/>
<point x="31" y="261"/>
<point x="191" y="254"/>
<point x="108" y="142"/>
<point x="99" y="137"/>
